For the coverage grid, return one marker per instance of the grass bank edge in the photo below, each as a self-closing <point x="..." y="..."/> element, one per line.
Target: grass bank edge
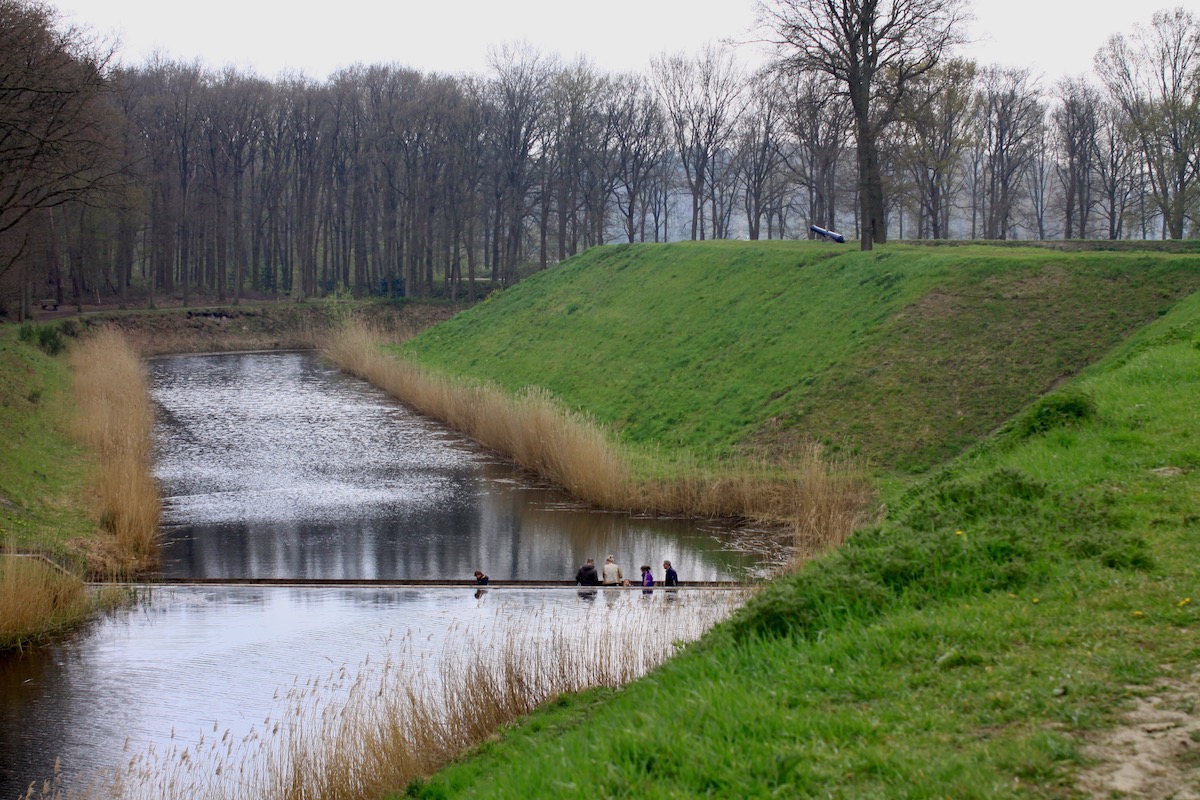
<point x="66" y="497"/>
<point x="44" y="469"/>
<point x="819" y="502"/>
<point x="1010" y="651"/>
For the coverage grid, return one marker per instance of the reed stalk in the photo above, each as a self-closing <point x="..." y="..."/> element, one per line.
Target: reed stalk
<point x="360" y="732"/>
<point x="116" y="420"/>
<point x="37" y="599"/>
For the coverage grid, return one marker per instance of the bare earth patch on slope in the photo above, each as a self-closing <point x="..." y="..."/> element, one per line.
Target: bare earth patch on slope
<point x="966" y="356"/>
<point x="1155" y="753"/>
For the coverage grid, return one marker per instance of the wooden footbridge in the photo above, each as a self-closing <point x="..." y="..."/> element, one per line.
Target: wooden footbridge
<point x="150" y="581"/>
<point x="387" y="583"/>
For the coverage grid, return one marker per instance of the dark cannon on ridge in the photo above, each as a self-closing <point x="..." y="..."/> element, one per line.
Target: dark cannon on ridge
<point x="824" y="234"/>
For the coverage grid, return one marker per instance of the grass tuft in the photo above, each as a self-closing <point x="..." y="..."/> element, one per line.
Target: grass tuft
<point x="1057" y="410"/>
<point x="1002" y="531"/>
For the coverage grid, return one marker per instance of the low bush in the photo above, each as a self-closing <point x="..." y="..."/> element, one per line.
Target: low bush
<point x="1056" y="410"/>
<point x="47" y="337"/>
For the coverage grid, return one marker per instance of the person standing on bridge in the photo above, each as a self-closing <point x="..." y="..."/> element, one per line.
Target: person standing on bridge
<point x="670" y="576"/>
<point x="612" y="573"/>
<point x="480" y="578"/>
<point x="587" y="575"/>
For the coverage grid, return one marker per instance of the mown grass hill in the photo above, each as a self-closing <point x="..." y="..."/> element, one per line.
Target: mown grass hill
<point x="903" y="356"/>
<point x="1020" y="624"/>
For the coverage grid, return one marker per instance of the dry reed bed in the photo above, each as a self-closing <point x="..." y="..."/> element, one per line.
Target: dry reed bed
<point x="358" y="733"/>
<point x="115" y="419"/>
<point x="37" y="599"/>
<point x="821" y="502"/>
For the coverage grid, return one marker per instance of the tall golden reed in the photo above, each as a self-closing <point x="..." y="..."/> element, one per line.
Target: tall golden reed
<point x="822" y="503"/>
<point x="566" y="448"/>
<point x="359" y="732"/>
<point x="37" y="599"/>
<point x="115" y="418"/>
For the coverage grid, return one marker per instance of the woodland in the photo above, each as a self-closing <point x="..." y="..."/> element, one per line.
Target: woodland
<point x="168" y="182"/>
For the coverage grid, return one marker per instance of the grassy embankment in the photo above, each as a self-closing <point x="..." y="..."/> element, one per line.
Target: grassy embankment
<point x="42" y="478"/>
<point x="1007" y="608"/>
<point x="712" y="351"/>
<point x="710" y="367"/>
<point x="728" y="377"/>
<point x="75" y="472"/>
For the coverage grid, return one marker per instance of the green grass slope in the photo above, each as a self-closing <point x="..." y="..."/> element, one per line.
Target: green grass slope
<point x="42" y="471"/>
<point x="904" y="356"/>
<point x="1013" y="606"/>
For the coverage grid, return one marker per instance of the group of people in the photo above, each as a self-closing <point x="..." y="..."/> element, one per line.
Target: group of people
<point x="610" y="574"/>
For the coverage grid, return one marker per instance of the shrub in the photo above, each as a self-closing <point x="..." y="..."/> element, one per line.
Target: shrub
<point x="50" y="340"/>
<point x="36" y="600"/>
<point x="46" y="337"/>
<point x="1056" y="411"/>
<point x="71" y="328"/>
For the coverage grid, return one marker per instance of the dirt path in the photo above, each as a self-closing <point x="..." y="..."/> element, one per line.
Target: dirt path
<point x="1156" y="753"/>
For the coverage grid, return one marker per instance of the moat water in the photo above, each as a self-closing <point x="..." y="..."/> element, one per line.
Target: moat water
<point x="278" y="466"/>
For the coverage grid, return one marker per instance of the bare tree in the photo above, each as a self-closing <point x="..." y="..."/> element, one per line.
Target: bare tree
<point x="818" y="129"/>
<point x="637" y="125"/>
<point x="1009" y="120"/>
<point x="56" y="123"/>
<point x="518" y="96"/>
<point x="1116" y="158"/>
<point x="761" y="150"/>
<point x="873" y="49"/>
<point x="583" y="152"/>
<point x="936" y="116"/>
<point x="701" y="97"/>
<point x="1039" y="175"/>
<point x="1075" y="123"/>
<point x="1154" y="76"/>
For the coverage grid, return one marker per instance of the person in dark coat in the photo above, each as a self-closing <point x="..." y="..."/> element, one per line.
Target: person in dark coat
<point x="587" y="574"/>
<point x="670" y="576"/>
<point x="480" y="578"/>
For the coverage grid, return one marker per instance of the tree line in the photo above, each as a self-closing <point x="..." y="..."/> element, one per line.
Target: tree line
<point x="173" y="180"/>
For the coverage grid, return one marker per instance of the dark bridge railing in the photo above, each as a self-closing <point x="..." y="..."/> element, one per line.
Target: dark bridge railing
<point x="396" y="583"/>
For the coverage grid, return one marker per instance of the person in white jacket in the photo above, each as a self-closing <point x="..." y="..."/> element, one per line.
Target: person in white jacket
<point x="611" y="576"/>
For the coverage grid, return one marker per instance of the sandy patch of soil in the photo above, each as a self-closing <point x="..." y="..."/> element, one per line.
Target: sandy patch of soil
<point x="1156" y="753"/>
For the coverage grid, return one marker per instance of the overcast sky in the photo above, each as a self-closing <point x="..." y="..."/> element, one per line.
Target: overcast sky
<point x="1054" y="37"/>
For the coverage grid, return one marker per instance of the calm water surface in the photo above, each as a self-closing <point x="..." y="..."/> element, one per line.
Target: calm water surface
<point x="277" y="466"/>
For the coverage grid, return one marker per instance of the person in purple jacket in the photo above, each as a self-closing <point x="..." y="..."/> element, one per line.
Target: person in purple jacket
<point x="647" y="578"/>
